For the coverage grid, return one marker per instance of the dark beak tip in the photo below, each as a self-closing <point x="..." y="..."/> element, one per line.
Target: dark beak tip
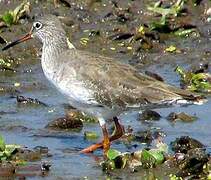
<point x="11" y="44"/>
<point x="4" y="48"/>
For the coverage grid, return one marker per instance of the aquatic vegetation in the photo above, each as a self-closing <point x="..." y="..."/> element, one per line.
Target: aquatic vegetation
<point x="7" y="150"/>
<point x="15" y="160"/>
<point x="12" y="16"/>
<point x="89" y="135"/>
<point x="8" y="64"/>
<point x="163" y="23"/>
<point x="189" y="159"/>
<point x="175" y="9"/>
<point x="171" y="49"/>
<point x="142" y="158"/>
<point x="199" y="82"/>
<point x="168" y="22"/>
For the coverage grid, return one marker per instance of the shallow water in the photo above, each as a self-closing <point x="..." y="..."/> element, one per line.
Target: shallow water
<point x="24" y="124"/>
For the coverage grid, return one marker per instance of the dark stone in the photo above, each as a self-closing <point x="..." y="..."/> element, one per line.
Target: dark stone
<point x="180" y="116"/>
<point x="149" y="115"/>
<point x="144" y="137"/>
<point x="121" y="36"/>
<point x="6" y="169"/>
<point x="154" y="75"/>
<point x="71" y="121"/>
<point x="41" y="149"/>
<point x="199" y="67"/>
<point x="193" y="162"/>
<point x="27" y="155"/>
<point x="45" y="166"/>
<point x="26" y="100"/>
<point x="184" y="144"/>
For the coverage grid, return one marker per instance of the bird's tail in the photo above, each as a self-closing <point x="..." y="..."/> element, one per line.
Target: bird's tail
<point x="188" y="97"/>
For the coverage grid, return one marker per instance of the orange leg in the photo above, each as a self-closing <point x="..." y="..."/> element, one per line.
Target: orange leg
<point x="106" y="140"/>
<point x="118" y="132"/>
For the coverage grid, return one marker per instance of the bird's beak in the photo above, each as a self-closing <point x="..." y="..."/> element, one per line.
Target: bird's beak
<point x="22" y="39"/>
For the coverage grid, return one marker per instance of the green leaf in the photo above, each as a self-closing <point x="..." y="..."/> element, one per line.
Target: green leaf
<point x="162" y="11"/>
<point x="152" y="157"/>
<point x="21" y="162"/>
<point x="90" y="135"/>
<point x="185" y="76"/>
<point x="171" y="49"/>
<point x="3" y="158"/>
<point x="200" y="82"/>
<point x="2" y="143"/>
<point x="180" y="71"/>
<point x="10" y="148"/>
<point x="1" y="154"/>
<point x="161" y="26"/>
<point x="8" y="18"/>
<point x="147" y="160"/>
<point x="184" y="32"/>
<point x="112" y="154"/>
<point x="158" y="155"/>
<point x="175" y="9"/>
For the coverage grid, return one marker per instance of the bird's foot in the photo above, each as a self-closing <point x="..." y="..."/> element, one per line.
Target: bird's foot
<point x="105" y="144"/>
<point x="92" y="148"/>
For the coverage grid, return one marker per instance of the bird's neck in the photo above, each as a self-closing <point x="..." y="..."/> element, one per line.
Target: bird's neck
<point x="51" y="52"/>
<point x="55" y="47"/>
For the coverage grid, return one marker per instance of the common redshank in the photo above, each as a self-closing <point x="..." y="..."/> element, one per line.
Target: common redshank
<point x="97" y="85"/>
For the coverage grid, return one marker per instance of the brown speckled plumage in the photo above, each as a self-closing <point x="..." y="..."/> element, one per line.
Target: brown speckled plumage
<point x="98" y="85"/>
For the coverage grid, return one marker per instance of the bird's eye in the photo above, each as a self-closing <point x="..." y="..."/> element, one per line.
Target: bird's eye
<point x="37" y="25"/>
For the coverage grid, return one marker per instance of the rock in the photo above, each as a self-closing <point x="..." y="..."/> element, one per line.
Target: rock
<point x="71" y="121"/>
<point x="180" y="116"/>
<point x="144" y="137"/>
<point x="184" y="144"/>
<point x="27" y="100"/>
<point x="45" y="166"/>
<point x="193" y="162"/>
<point x="121" y="36"/>
<point x="27" y="155"/>
<point x="41" y="149"/>
<point x="6" y="169"/>
<point x="63" y="2"/>
<point x="154" y="75"/>
<point x="199" y="67"/>
<point x="149" y="115"/>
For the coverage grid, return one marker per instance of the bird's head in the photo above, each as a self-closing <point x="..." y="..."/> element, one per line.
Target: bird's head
<point x="46" y="29"/>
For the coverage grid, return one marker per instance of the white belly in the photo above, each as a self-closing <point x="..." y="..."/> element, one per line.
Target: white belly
<point x="65" y="81"/>
<point x="76" y="92"/>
